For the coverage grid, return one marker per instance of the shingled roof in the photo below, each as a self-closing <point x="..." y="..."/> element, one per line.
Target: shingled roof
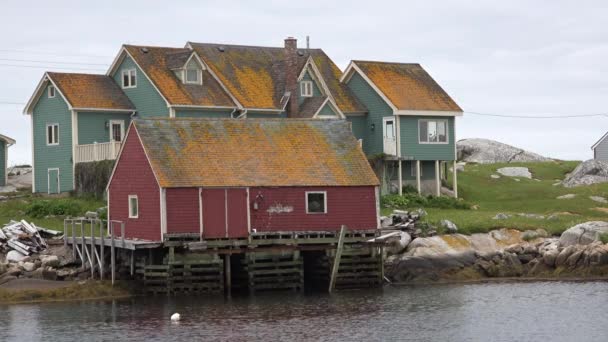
<point x="408" y="86"/>
<point x="91" y="91"/>
<point x="158" y="64"/>
<point x="253" y="152"/>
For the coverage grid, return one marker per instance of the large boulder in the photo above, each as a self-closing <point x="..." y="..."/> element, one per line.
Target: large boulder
<point x="49" y="260"/>
<point x="523" y="172"/>
<point x="587" y="173"/>
<point x="584" y="233"/>
<point x="485" y="151"/>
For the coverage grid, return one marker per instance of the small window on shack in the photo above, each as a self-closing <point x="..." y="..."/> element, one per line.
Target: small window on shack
<point x="306" y="88"/>
<point x="129" y="78"/>
<point x="193" y="76"/>
<point x="133" y="206"/>
<point x="51" y="92"/>
<point x="316" y="202"/>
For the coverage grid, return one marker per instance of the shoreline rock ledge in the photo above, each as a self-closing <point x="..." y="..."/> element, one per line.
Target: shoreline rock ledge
<point x="579" y="252"/>
<point x="485" y="151"/>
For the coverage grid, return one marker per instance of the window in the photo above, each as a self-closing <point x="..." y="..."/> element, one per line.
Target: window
<point x="433" y="131"/>
<point x="133" y="206"/>
<point x="51" y="92"/>
<point x="306" y="88"/>
<point x="193" y="76"/>
<point x="52" y="134"/>
<point x="316" y="202"/>
<point x="117" y="130"/>
<point x="129" y="78"/>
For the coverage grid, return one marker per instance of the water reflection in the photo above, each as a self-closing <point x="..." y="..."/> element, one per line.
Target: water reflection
<point x="497" y="312"/>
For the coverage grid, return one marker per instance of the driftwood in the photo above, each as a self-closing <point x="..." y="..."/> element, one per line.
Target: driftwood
<point x="24" y="237"/>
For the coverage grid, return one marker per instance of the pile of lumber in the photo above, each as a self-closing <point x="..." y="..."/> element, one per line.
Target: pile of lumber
<point x="22" y="237"/>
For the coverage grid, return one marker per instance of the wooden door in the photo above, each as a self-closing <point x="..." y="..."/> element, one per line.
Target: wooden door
<point x="238" y="226"/>
<point x="53" y="181"/>
<point x="214" y="213"/>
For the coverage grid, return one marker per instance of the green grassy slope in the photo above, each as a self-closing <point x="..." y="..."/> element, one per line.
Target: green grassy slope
<point x="536" y="196"/>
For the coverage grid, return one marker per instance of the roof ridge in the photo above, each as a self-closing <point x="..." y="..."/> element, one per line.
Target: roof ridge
<point x="250" y="46"/>
<point x="75" y="73"/>
<point x="226" y="119"/>
<point x="383" y="62"/>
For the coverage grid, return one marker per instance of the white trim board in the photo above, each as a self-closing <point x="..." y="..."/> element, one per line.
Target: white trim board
<point x="306" y="193"/>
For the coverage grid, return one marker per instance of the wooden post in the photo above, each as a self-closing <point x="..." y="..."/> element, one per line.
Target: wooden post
<point x="437" y="178"/>
<point x="132" y="262"/>
<point x="93" y="249"/>
<point x="400" y="178"/>
<point x="112" y="253"/>
<point x="227" y="274"/>
<point x="102" y="250"/>
<point x="338" y="256"/>
<point x="418" y="186"/>
<point x="74" y="240"/>
<point x="65" y="233"/>
<point x="455" y="180"/>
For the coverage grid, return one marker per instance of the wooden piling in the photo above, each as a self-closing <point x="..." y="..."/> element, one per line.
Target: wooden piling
<point x="228" y="275"/>
<point x="336" y="264"/>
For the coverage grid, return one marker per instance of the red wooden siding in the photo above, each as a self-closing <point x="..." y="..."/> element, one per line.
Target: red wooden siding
<point x="214" y="213"/>
<point x="134" y="176"/>
<point x="354" y="207"/>
<point x="237" y="213"/>
<point x="182" y="210"/>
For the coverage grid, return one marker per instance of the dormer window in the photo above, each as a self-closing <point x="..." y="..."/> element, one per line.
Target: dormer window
<point x="51" y="92"/>
<point x="193" y="76"/>
<point x="306" y="88"/>
<point x="129" y="78"/>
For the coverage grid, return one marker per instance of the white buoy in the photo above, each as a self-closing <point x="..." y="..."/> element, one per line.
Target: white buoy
<point x="176" y="317"/>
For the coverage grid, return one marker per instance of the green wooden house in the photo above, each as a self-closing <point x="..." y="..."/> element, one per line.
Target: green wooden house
<point x="81" y="118"/>
<point x="5" y="142"/>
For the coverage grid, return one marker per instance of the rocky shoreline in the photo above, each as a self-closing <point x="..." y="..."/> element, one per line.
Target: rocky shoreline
<point x="505" y="253"/>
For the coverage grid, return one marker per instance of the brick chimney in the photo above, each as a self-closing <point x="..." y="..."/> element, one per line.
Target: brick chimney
<point x="291" y="75"/>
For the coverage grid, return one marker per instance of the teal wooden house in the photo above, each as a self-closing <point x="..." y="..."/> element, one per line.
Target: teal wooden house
<point x="81" y="118"/>
<point x="5" y="142"/>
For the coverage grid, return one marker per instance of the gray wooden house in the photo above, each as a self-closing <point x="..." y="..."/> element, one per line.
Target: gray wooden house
<point x="5" y="142"/>
<point x="600" y="149"/>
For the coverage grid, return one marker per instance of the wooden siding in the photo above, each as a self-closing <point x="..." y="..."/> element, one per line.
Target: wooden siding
<point x="46" y="111"/>
<point x="145" y="97"/>
<point x="183" y="210"/>
<point x="142" y="183"/>
<point x="237" y="213"/>
<point x="202" y="113"/>
<point x="3" y="155"/>
<point x="92" y="126"/>
<point x="316" y="92"/>
<point x="351" y="206"/>
<point x="601" y="151"/>
<point x="411" y="148"/>
<point x="377" y="109"/>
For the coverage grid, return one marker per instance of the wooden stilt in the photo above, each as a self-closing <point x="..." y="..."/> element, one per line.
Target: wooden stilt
<point x="336" y="265"/>
<point x="228" y="275"/>
<point x="102" y="251"/>
<point x="418" y="185"/>
<point x="455" y="179"/>
<point x="132" y="263"/>
<point x="400" y="178"/>
<point x="74" y="245"/>
<point x="437" y="179"/>
<point x="112" y="254"/>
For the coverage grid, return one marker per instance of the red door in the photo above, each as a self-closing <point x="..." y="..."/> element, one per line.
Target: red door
<point x="225" y="213"/>
<point x="214" y="213"/>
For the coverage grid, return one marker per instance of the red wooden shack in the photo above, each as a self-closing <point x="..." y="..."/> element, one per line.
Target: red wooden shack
<point x="227" y="178"/>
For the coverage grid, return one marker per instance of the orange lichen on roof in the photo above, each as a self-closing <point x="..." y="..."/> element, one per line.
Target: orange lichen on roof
<point x="156" y="65"/>
<point x="90" y="91"/>
<point x="408" y="86"/>
<point x="250" y="152"/>
<point x="331" y="74"/>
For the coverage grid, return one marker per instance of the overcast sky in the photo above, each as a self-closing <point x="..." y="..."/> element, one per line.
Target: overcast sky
<point x="526" y="58"/>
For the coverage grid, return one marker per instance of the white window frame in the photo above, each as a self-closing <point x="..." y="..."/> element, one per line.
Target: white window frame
<point x="447" y="132"/>
<point x="324" y="201"/>
<point x="131" y="197"/>
<point x="306" y="89"/>
<point x="52" y="90"/>
<point x="122" y="129"/>
<point x="55" y="136"/>
<point x="130" y="73"/>
<point x="199" y="75"/>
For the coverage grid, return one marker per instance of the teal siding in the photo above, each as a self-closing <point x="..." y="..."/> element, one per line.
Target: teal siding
<point x="92" y="126"/>
<point x="411" y="148"/>
<point x="2" y="163"/>
<point x="359" y="126"/>
<point x="45" y="112"/>
<point x="377" y="109"/>
<point x="218" y="113"/>
<point x="147" y="100"/>
<point x="327" y="111"/>
<point x="315" y="88"/>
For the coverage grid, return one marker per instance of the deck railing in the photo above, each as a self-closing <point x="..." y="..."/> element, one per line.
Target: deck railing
<point x="97" y="152"/>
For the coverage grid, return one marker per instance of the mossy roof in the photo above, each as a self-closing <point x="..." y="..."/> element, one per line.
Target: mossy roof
<point x="90" y="91"/>
<point x="187" y="152"/>
<point x="408" y="86"/>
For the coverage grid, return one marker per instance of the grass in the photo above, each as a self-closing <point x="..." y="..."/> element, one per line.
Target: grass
<point x="17" y="208"/>
<point x="535" y="196"/>
<point x="88" y="290"/>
